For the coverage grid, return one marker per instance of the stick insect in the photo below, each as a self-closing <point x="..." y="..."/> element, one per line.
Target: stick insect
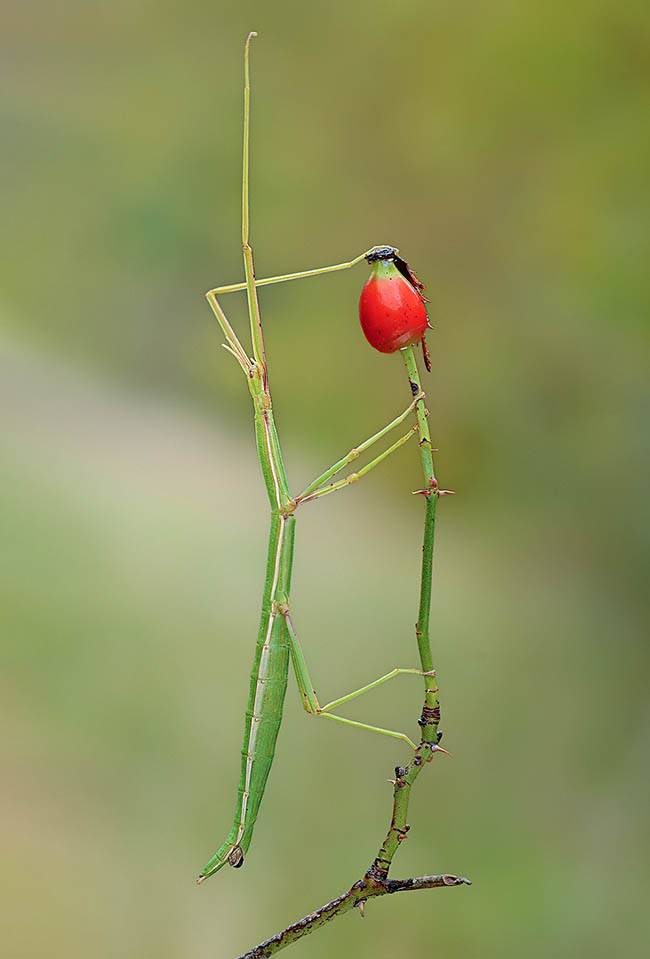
<point x="277" y="641"/>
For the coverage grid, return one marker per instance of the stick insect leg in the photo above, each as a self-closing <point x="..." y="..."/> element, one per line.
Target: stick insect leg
<point x="377" y="682"/>
<point x="268" y="280"/>
<point x="357" y="450"/>
<point x="374" y="729"/>
<point x="355" y="477"/>
<point x="232" y="343"/>
<point x="308" y="694"/>
<point x="251" y="283"/>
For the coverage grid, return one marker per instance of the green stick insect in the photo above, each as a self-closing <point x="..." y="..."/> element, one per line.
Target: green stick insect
<point x="393" y="318"/>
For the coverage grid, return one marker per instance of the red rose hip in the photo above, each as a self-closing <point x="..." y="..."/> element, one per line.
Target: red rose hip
<point x="391" y="308"/>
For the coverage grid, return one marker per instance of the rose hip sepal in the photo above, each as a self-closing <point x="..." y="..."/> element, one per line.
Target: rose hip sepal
<point x="391" y="308"/>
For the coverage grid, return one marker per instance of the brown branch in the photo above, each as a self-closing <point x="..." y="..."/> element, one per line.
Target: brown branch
<point x="357" y="895"/>
<point x="375" y="882"/>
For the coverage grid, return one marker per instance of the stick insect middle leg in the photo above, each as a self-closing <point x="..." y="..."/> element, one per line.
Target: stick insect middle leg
<point x="308" y="694"/>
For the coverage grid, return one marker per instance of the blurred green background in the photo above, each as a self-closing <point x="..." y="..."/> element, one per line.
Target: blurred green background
<point x="504" y="148"/>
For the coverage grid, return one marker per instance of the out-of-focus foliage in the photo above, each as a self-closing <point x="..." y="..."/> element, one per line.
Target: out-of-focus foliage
<point x="504" y="147"/>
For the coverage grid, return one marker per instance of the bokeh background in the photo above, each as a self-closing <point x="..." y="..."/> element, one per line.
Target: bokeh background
<point x="504" y="148"/>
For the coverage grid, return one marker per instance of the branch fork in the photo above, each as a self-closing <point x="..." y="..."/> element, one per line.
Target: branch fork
<point x="356" y="897"/>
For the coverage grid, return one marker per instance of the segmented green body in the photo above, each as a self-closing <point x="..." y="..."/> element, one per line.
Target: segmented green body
<point x="268" y="683"/>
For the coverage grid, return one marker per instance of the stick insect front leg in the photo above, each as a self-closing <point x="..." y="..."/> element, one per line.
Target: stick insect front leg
<point x="319" y="271"/>
<point x="308" y="694"/>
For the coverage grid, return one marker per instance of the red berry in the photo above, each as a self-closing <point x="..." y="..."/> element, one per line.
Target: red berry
<point x="391" y="309"/>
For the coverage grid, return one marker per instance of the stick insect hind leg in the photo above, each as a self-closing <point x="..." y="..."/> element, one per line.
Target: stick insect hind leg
<point x="308" y="694"/>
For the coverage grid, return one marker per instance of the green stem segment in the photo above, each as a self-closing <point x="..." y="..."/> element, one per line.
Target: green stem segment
<point x="430" y="717"/>
<point x="431" y="712"/>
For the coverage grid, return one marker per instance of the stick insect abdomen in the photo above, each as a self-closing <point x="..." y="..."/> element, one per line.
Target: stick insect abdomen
<point x="265" y="700"/>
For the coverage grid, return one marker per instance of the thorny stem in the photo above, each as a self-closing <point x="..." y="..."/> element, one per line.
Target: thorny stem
<point x="356" y="896"/>
<point x="431" y="711"/>
<point x="430" y="718"/>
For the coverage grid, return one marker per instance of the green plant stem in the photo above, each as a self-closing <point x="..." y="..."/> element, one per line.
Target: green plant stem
<point x="431" y="711"/>
<point x="430" y="717"/>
